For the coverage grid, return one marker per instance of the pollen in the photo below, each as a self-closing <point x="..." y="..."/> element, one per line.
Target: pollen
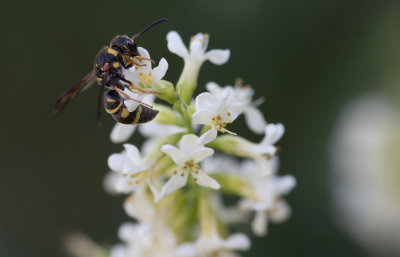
<point x="228" y="113"/>
<point x="206" y="35"/>
<point x="182" y="174"/>
<point x="229" y="121"/>
<point x="223" y="130"/>
<point x="175" y="172"/>
<point x="130" y="183"/>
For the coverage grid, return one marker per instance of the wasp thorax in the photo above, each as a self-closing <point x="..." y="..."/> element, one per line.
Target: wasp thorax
<point x="125" y="45"/>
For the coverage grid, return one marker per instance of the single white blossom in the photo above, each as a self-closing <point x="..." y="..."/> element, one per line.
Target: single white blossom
<point x="144" y="76"/>
<point x="145" y="240"/>
<point x="215" y="112"/>
<point x="187" y="157"/>
<point x="366" y="183"/>
<point x="196" y="53"/>
<point x="267" y="202"/>
<point x="193" y="58"/>
<point x="212" y="243"/>
<point x="130" y="167"/>
<point x="243" y="95"/>
<point x="140" y="206"/>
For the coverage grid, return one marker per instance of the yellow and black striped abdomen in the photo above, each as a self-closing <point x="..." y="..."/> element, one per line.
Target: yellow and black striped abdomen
<point x="114" y="105"/>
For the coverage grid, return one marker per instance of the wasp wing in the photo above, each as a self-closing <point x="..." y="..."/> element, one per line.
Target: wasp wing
<point x="70" y="93"/>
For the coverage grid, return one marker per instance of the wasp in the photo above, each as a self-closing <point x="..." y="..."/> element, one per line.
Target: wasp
<point x="110" y="62"/>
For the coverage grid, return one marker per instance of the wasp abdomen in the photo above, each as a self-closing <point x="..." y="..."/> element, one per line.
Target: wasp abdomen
<point x="114" y="105"/>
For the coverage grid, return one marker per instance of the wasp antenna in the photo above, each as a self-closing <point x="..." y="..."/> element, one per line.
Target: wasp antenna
<point x="148" y="27"/>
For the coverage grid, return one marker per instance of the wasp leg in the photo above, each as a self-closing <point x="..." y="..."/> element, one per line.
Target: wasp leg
<point x="133" y="87"/>
<point x="127" y="96"/>
<point x="141" y="58"/>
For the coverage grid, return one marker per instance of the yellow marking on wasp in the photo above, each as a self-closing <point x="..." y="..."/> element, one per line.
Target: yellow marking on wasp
<point x="115" y="64"/>
<point x="99" y="79"/>
<point x="112" y="51"/>
<point x="124" y="113"/>
<point x="110" y="100"/>
<point x="139" y="111"/>
<point x="111" y="111"/>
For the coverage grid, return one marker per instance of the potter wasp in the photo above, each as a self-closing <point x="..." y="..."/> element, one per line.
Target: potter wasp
<point x="108" y="69"/>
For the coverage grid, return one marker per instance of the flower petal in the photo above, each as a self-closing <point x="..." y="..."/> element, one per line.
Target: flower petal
<point x="133" y="155"/>
<point x="204" y="180"/>
<point x="203" y="117"/>
<point x="218" y="56"/>
<point x="175" y="182"/>
<point x="175" y="44"/>
<point x="139" y="207"/>
<point x="259" y="223"/>
<point x="281" y="212"/>
<point x="214" y="88"/>
<point x="209" y="136"/>
<point x="200" y="154"/>
<point x="284" y="184"/>
<point x="160" y="70"/>
<point x="206" y="101"/>
<point x="255" y="120"/>
<point x="273" y="132"/>
<point x="223" y="100"/>
<point x="122" y="132"/>
<point x="237" y="241"/>
<point x="189" y="144"/>
<point x="174" y="153"/>
<point x="117" y="161"/>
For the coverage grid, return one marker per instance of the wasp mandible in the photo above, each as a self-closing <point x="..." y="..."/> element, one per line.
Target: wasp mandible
<point x="108" y="69"/>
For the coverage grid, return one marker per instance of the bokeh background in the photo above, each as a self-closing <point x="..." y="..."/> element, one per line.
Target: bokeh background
<point x="307" y="58"/>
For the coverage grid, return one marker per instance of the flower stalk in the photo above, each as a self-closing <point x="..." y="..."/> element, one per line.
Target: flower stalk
<point x="173" y="179"/>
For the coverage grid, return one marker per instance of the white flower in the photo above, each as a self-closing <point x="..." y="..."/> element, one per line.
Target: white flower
<point x="197" y="49"/>
<point x="365" y="157"/>
<point x="273" y="132"/>
<point x="216" y="112"/>
<point x="268" y="202"/>
<point x="242" y="94"/>
<point x="193" y="58"/>
<point x="190" y="153"/>
<point x="214" y="244"/>
<point x="144" y="76"/>
<point x="139" y="205"/>
<point x="145" y="240"/>
<point x="131" y="168"/>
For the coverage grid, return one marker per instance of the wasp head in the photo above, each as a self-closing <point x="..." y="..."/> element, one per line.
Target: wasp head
<point x="125" y="45"/>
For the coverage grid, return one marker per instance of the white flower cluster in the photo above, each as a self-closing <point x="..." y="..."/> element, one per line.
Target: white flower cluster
<point x="175" y="181"/>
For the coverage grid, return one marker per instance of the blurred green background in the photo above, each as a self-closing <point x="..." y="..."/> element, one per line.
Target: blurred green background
<point x="307" y="58"/>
